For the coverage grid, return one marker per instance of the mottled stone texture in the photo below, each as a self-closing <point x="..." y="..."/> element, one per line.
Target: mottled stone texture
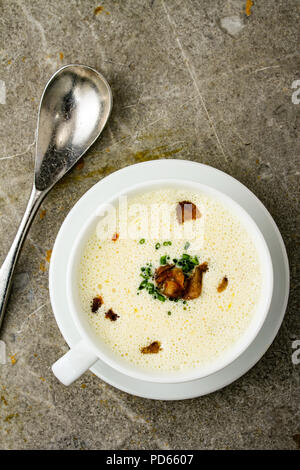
<point x="186" y="85"/>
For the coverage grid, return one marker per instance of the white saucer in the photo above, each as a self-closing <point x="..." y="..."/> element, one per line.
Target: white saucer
<point x="187" y="170"/>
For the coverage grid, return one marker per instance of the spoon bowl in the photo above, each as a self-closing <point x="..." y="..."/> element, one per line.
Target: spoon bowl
<point x="74" y="109"/>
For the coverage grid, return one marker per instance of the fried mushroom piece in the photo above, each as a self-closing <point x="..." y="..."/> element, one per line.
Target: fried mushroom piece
<point x="153" y="348"/>
<point x="186" y="210"/>
<point x="162" y="273"/>
<point x="111" y="315"/>
<point x="96" y="303"/>
<point x="194" y="283"/>
<point x="223" y="284"/>
<point x="170" y="280"/>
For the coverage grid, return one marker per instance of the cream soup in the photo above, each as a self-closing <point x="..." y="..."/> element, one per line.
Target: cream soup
<point x="132" y="312"/>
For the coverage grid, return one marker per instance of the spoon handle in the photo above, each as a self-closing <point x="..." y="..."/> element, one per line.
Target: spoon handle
<point x="7" y="268"/>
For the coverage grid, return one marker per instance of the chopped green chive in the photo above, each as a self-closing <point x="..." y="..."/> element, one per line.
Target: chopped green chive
<point x="169" y="313"/>
<point x="142" y="241"/>
<point x="157" y="246"/>
<point x="161" y="297"/>
<point x="143" y="284"/>
<point x="187" y="245"/>
<point x="187" y="262"/>
<point x="167" y="243"/>
<point x="163" y="259"/>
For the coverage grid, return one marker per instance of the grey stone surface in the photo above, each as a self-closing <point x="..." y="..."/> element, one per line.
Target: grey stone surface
<point x="184" y="87"/>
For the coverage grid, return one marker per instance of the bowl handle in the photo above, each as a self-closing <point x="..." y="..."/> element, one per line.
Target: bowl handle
<point x="74" y="363"/>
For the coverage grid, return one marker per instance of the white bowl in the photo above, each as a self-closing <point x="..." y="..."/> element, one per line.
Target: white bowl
<point x="90" y="348"/>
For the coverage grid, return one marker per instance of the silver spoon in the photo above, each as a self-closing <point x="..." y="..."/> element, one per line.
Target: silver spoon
<point x="73" y="111"/>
